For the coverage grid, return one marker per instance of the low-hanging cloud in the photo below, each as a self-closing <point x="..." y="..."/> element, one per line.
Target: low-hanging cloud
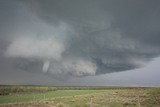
<point x="87" y="37"/>
<point x="74" y="67"/>
<point x="35" y="48"/>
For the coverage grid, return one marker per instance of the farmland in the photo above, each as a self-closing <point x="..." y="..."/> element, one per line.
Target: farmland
<point x="38" y="96"/>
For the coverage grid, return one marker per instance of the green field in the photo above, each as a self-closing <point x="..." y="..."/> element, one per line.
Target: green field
<point x="82" y="97"/>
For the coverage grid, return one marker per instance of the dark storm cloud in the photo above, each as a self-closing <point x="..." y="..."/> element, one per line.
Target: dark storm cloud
<point x="81" y="37"/>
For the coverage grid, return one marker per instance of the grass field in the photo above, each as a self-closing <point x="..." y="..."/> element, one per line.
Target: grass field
<point x="85" y="97"/>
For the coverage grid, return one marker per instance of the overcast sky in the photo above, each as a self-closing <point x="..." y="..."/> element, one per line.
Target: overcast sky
<point x="80" y="42"/>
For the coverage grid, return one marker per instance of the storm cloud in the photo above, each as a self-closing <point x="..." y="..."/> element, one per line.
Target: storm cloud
<point x="65" y="38"/>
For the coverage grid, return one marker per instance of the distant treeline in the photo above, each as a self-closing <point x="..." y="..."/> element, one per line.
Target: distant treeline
<point x="95" y="87"/>
<point x="9" y="89"/>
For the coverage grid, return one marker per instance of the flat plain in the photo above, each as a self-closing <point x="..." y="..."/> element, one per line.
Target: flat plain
<point x="38" y="96"/>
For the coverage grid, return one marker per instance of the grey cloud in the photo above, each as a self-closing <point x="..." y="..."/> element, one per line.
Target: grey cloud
<point x="91" y="37"/>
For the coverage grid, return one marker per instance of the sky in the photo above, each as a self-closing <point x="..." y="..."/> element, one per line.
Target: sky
<point x="80" y="42"/>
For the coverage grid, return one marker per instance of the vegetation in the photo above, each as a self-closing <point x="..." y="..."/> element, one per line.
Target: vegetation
<point x="83" y="97"/>
<point x="8" y="90"/>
